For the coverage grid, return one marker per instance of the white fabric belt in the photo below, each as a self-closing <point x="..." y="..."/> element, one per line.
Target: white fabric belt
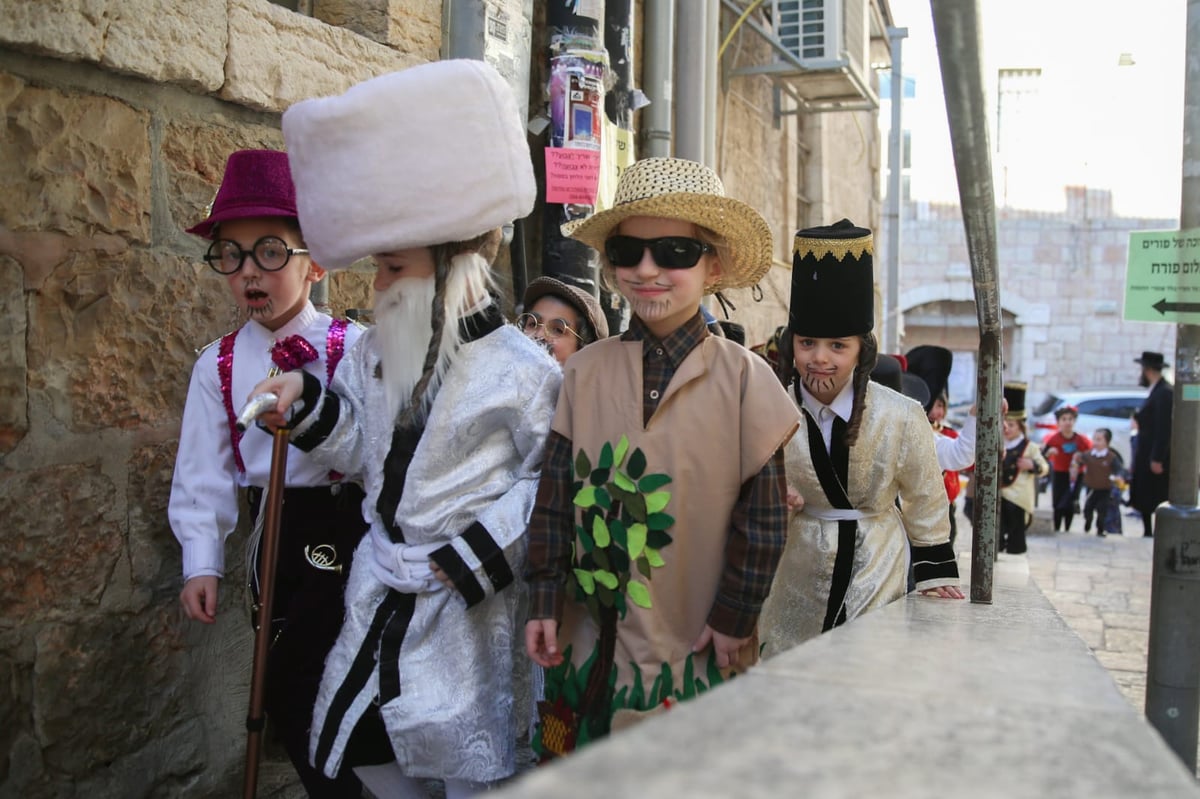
<point x="836" y="514"/>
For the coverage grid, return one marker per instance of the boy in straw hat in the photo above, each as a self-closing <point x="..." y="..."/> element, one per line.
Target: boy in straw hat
<point x="443" y="408"/>
<point x="257" y="247"/>
<point x="1020" y="466"/>
<point x="649" y="557"/>
<point x="860" y="448"/>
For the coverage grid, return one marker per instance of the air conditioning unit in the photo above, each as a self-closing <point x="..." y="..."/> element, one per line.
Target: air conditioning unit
<point x="830" y="41"/>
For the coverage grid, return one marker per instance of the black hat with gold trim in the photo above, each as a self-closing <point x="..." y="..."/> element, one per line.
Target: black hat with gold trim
<point x="833" y="282"/>
<point x="1014" y="395"/>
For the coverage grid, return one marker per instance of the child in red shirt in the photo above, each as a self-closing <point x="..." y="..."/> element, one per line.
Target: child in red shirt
<point x="1060" y="449"/>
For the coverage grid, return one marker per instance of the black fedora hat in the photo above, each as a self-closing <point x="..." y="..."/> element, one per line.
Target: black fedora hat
<point x="1153" y="360"/>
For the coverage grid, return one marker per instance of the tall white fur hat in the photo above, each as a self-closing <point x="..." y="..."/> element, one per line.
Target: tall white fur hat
<point x="428" y="155"/>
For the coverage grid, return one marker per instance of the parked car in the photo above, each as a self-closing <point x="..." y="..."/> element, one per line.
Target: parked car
<point x="1101" y="407"/>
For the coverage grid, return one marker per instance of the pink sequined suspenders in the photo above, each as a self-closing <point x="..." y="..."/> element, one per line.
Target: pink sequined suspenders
<point x="335" y="348"/>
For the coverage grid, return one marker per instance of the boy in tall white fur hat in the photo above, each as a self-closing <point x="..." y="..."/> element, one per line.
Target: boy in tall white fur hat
<point x="444" y="410"/>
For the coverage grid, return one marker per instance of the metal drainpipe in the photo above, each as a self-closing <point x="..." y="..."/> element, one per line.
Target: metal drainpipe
<point x="891" y="341"/>
<point x="690" y="83"/>
<point x="658" y="48"/>
<point x="712" y="41"/>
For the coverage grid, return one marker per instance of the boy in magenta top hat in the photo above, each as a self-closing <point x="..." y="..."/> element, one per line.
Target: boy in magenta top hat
<point x="257" y="247"/>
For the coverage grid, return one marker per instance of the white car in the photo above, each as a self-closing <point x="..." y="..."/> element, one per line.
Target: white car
<point x="1101" y="407"/>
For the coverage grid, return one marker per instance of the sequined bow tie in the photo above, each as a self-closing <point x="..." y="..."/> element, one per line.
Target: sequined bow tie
<point x="293" y="352"/>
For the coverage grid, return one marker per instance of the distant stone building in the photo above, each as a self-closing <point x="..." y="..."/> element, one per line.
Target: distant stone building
<point x="118" y="118"/>
<point x="1062" y="289"/>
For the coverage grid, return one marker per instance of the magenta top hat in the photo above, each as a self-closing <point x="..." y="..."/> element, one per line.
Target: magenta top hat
<point x="256" y="183"/>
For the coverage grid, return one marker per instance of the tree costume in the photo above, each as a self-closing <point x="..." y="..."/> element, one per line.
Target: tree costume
<point x="646" y="527"/>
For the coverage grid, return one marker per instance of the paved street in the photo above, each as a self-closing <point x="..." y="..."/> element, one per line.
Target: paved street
<point x="1101" y="587"/>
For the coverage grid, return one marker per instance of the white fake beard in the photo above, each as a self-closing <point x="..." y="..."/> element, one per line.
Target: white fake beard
<point x="404" y="324"/>
<point x="404" y="316"/>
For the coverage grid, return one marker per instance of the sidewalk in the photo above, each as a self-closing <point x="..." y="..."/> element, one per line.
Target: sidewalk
<point x="1101" y="587"/>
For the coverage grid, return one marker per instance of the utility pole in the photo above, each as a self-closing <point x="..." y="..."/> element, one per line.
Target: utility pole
<point x="956" y="27"/>
<point x="1173" y="665"/>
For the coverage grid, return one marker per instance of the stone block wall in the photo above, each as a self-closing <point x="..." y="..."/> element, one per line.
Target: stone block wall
<point x="118" y="117"/>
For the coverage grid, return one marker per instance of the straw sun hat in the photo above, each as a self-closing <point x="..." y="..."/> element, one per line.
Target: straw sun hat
<point x="675" y="188"/>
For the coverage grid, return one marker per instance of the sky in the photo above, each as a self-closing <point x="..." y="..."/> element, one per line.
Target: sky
<point x="1097" y="123"/>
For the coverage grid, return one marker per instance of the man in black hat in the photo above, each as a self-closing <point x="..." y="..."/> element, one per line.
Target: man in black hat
<point x="1152" y="458"/>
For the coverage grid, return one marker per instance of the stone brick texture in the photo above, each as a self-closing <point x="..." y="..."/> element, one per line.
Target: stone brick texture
<point x="118" y="117"/>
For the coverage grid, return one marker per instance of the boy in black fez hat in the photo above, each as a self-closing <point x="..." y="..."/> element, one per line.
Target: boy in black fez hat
<point x="1022" y="464"/>
<point x="861" y="448"/>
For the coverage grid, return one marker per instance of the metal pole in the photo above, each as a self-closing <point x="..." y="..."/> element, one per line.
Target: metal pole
<point x="956" y="27"/>
<point x="712" y="42"/>
<point x="659" y="54"/>
<point x="1173" y="664"/>
<point x="891" y="341"/>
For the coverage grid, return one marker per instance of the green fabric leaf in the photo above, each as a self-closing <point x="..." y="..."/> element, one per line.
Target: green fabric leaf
<point x="700" y="686"/>
<point x="585" y="538"/>
<point x="659" y="521"/>
<point x="636" y="505"/>
<point x="600" y="476"/>
<point x="600" y="531"/>
<point x="652" y="482"/>
<point x="583" y="466"/>
<point x="606" y="456"/>
<point x="657" y="501"/>
<point x="637" y="464"/>
<point x="586" y="581"/>
<point x="605" y="578"/>
<point x="637" y="539"/>
<point x="622" y="448"/>
<point x="643" y="564"/>
<point x="605" y="595"/>
<point x="586" y="497"/>
<point x="667" y="688"/>
<point x="624" y="482"/>
<point x="638" y="594"/>
<point x="619" y="533"/>
<point x="603" y="500"/>
<point x="637" y="695"/>
<point x="657" y="539"/>
<point x="620" y="604"/>
<point x="689" y="678"/>
<point x="601" y="560"/>
<point x="654" y="558"/>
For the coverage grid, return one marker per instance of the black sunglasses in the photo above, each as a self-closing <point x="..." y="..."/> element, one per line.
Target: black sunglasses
<point x="669" y="252"/>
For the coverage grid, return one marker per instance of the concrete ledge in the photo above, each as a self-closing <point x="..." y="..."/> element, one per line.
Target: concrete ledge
<point x="923" y="698"/>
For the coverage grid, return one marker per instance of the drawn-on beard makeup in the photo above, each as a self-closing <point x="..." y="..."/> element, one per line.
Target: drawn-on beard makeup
<point x="258" y="303"/>
<point x="819" y="384"/>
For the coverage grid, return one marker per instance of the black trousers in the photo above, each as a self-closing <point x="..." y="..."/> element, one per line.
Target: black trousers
<point x="319" y="529"/>
<point x="1064" y="497"/>
<point x="1013" y="524"/>
<point x="1097" y="503"/>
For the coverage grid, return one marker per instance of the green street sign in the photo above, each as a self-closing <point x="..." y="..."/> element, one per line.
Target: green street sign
<point x="1162" y="279"/>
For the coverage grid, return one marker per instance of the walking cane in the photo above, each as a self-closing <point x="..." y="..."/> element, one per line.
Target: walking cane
<point x="270" y="554"/>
